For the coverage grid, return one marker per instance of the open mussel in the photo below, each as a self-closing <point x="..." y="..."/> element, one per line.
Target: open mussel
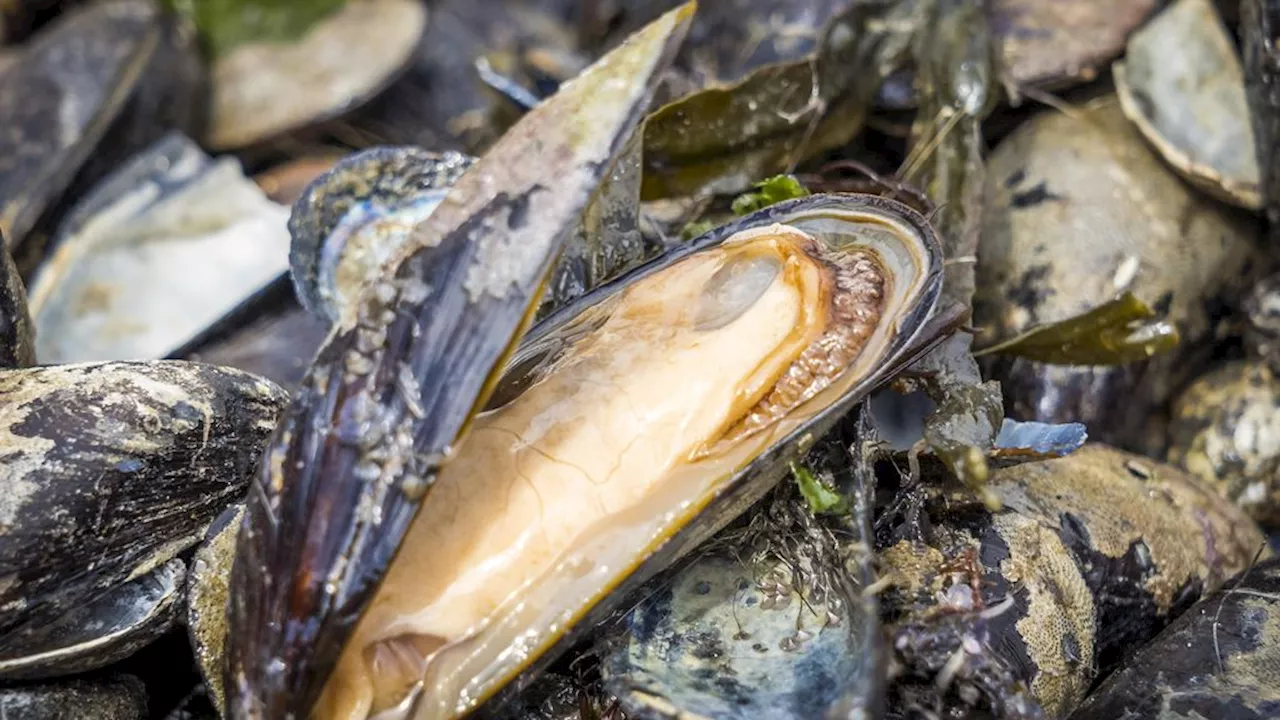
<point x="390" y="394"/>
<point x="555" y="500"/>
<point x="767" y="330"/>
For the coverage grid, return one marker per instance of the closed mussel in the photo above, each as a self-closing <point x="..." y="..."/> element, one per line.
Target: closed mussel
<point x="111" y="470"/>
<point x="1220" y="659"/>
<point x="91" y="88"/>
<point x="1079" y="211"/>
<point x="1224" y="427"/>
<point x="1091" y="555"/>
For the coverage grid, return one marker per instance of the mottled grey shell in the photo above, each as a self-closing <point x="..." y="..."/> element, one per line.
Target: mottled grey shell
<point x="118" y="697"/>
<point x="1221" y="659"/>
<point x="112" y="469"/>
<point x="96" y="634"/>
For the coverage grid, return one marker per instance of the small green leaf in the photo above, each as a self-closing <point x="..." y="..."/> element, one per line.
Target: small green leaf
<point x="769" y="192"/>
<point x="1121" y="331"/>
<point x="697" y="228"/>
<point x="821" y="498"/>
<point x="225" y="24"/>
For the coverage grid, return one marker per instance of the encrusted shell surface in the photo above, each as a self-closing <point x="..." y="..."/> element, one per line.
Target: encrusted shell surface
<point x="207" y="600"/>
<point x="1091" y="554"/>
<point x="112" y="469"/>
<point x="96" y="634"/>
<point x="1225" y="428"/>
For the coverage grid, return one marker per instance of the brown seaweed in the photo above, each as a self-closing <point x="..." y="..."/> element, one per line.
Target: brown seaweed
<point x="790" y="99"/>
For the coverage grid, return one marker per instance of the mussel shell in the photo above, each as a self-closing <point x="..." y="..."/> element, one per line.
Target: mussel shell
<point x="1078" y="210"/>
<point x="1089" y="555"/>
<point x="98" y="633"/>
<point x="58" y="102"/>
<point x="1220" y="659"/>
<point x="1225" y="429"/>
<point x="298" y="586"/>
<point x="266" y="89"/>
<point x="910" y="252"/>
<point x="113" y="469"/>
<point x="110" y="291"/>
<point x="117" y="76"/>
<point x="1181" y="83"/>
<point x="351" y="219"/>
<point x="118" y="697"/>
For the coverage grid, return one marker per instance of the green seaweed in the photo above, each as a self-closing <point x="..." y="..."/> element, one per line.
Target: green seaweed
<point x="821" y="499"/>
<point x="224" y="25"/>
<point x="1124" y="330"/>
<point x="768" y="192"/>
